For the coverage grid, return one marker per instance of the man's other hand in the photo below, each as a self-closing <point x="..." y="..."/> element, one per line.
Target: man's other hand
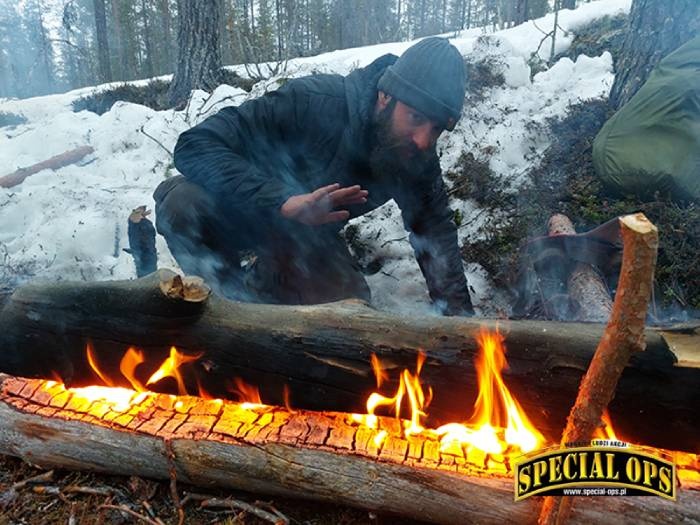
<point x="319" y="207"/>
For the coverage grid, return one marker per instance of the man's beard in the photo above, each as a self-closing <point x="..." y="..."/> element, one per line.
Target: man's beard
<point x="392" y="156"/>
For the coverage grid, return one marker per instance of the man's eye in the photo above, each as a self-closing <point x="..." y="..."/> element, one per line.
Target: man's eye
<point x="417" y="119"/>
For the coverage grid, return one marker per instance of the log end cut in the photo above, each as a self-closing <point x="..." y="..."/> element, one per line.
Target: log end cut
<point x="190" y="288"/>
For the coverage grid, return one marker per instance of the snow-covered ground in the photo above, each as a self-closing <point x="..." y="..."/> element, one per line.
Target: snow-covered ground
<point x="71" y="223"/>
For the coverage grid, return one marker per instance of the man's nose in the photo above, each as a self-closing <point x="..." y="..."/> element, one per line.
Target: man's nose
<point x="423" y="138"/>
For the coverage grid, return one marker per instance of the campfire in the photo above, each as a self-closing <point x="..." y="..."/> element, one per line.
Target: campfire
<point x="449" y="405"/>
<point x="497" y="432"/>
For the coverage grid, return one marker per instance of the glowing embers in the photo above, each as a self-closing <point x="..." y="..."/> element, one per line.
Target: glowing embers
<point x="498" y="426"/>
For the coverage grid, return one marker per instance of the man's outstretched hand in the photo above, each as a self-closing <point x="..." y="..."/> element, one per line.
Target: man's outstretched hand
<point x="319" y="207"/>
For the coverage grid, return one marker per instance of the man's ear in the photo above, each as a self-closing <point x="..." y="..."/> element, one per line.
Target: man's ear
<point x="382" y="100"/>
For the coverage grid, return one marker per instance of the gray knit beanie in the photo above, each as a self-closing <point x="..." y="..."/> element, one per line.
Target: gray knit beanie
<point x="429" y="77"/>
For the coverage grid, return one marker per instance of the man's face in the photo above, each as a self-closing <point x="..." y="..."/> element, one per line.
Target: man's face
<point x="404" y="138"/>
<point x="413" y="127"/>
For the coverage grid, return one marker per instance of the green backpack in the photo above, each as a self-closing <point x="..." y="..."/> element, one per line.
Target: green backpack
<point x="653" y="142"/>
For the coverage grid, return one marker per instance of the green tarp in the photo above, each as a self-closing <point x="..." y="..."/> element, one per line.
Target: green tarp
<point x="653" y="142"/>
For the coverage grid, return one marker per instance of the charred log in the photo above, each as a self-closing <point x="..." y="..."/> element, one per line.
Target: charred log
<point x="323" y="353"/>
<point x="319" y="456"/>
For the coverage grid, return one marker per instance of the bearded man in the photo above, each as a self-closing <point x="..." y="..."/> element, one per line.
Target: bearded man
<point x="279" y="177"/>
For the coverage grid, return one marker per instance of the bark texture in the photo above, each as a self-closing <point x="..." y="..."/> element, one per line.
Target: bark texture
<point x="588" y="294"/>
<point x="624" y="336"/>
<point x="656" y="28"/>
<point x="198" y="51"/>
<point x="323" y="353"/>
<point x="320" y="456"/>
<point x="102" y="44"/>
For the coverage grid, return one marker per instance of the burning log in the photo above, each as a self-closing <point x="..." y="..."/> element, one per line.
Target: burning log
<point x="323" y="456"/>
<point x="623" y="336"/>
<point x="323" y="353"/>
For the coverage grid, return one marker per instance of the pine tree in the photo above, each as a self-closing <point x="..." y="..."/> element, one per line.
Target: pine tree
<point x="102" y="45"/>
<point x="656" y="28"/>
<point x="198" y="51"/>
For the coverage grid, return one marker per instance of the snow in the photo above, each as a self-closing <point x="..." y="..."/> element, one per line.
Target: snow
<point x="71" y="223"/>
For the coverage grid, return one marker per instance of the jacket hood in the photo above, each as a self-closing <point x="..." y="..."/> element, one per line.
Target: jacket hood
<point x="361" y="95"/>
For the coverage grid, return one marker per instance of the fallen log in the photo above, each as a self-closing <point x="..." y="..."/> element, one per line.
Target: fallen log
<point x="322" y="353"/>
<point x="56" y="162"/>
<point x="320" y="456"/>
<point x="588" y="292"/>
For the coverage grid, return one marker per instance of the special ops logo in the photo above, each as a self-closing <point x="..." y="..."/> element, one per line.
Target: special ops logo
<point x="557" y="472"/>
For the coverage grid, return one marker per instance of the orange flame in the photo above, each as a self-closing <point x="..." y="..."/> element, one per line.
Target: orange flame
<point x="90" y="351"/>
<point x="288" y="399"/>
<point x="170" y="368"/>
<point x="605" y="430"/>
<point x="248" y="395"/>
<point x="127" y="366"/>
<point x="380" y="373"/>
<point x="499" y="422"/>
<point x="410" y="387"/>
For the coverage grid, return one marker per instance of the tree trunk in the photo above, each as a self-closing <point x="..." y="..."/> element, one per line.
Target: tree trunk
<point x="198" y="51"/>
<point x="520" y="11"/>
<point x="102" y="45"/>
<point x="323" y="354"/>
<point x="322" y="456"/>
<point x="118" y="29"/>
<point x="656" y="28"/>
<point x="145" y="13"/>
<point x="167" y="46"/>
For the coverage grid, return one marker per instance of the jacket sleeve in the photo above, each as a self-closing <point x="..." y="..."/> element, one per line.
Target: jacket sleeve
<point x="433" y="236"/>
<point x="227" y="152"/>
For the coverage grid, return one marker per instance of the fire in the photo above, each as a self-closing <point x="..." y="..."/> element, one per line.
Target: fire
<point x="248" y="395"/>
<point x="116" y="398"/>
<point x="497" y="430"/>
<point x="498" y="425"/>
<point x="495" y="408"/>
<point x="92" y="360"/>
<point x="410" y="387"/>
<point x="132" y="358"/>
<point x="170" y="368"/>
<point x="605" y="430"/>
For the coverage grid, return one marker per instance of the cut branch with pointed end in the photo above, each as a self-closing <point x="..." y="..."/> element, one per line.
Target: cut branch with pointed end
<point x="623" y="336"/>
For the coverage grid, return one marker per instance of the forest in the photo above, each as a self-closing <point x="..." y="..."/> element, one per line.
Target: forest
<point x="50" y="46"/>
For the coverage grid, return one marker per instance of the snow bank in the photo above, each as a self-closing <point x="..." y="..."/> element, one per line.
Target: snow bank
<point x="71" y="224"/>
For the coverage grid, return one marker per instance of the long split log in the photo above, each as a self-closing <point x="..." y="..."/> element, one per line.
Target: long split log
<point x="304" y="454"/>
<point x="323" y="354"/>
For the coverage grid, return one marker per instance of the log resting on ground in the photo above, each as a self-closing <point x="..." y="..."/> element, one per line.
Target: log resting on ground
<point x="323" y="354"/>
<point x="271" y="450"/>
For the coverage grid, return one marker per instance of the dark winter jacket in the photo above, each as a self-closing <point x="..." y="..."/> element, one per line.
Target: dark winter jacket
<point x="315" y="131"/>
